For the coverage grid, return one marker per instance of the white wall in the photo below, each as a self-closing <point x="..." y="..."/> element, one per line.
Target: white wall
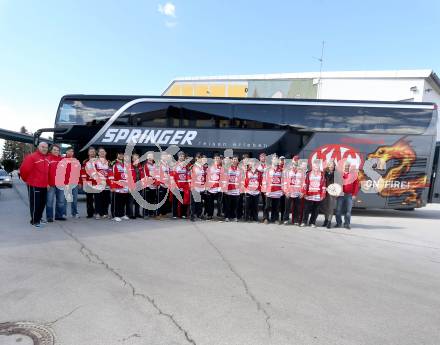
<point x="380" y="89"/>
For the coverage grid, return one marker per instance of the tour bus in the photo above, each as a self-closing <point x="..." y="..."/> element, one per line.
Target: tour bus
<point x="398" y="137"/>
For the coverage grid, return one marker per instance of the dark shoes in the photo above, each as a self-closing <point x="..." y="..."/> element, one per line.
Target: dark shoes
<point x="325" y="223"/>
<point x="347" y="226"/>
<point x="61" y="218"/>
<point x="338" y="226"/>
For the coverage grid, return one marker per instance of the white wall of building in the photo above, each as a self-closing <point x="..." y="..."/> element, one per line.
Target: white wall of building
<point x="379" y="89"/>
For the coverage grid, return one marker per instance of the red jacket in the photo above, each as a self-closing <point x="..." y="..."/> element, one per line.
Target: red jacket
<point x="350" y="183"/>
<point x="252" y="181"/>
<point x="53" y="165"/>
<point x="180" y="177"/>
<point x="118" y="177"/>
<point x="134" y="170"/>
<point x="314" y="186"/>
<point x="87" y="170"/>
<point x="35" y="170"/>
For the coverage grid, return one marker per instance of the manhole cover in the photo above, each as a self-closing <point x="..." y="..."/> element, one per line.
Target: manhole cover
<point x="25" y="333"/>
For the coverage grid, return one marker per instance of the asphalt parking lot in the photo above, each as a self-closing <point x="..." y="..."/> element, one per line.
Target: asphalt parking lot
<point x="176" y="282"/>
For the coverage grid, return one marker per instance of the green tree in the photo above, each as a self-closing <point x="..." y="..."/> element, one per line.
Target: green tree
<point x="14" y="151"/>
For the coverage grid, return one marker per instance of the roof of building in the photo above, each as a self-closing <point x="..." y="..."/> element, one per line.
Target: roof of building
<point x="396" y="74"/>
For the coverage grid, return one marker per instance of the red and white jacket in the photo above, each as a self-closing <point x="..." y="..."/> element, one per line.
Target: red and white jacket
<point x="87" y="170"/>
<point x="253" y="181"/>
<point x="118" y="177"/>
<point x="293" y="182"/>
<point x="135" y="170"/>
<point x="53" y="165"/>
<point x="151" y="172"/>
<point x="214" y="175"/>
<point x="102" y="174"/>
<point x="164" y="174"/>
<point x="232" y="180"/>
<point x="198" y="178"/>
<point x="180" y="176"/>
<point x="314" y="186"/>
<point x="272" y="183"/>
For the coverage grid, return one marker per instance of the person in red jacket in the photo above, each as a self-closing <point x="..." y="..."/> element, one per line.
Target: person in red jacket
<point x="137" y="173"/>
<point x="119" y="188"/>
<point x="68" y="173"/>
<point x="252" y="189"/>
<point x="55" y="191"/>
<point x="314" y="193"/>
<point x="88" y="182"/>
<point x="214" y="174"/>
<point x="232" y="187"/>
<point x="293" y="185"/>
<point x="101" y="176"/>
<point x="35" y="172"/>
<point x="198" y="187"/>
<point x="179" y="183"/>
<point x="151" y="171"/>
<point x="272" y="185"/>
<point x="350" y="189"/>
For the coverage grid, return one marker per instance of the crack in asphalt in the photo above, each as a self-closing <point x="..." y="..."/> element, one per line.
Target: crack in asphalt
<point x="247" y="290"/>
<point x="134" y="335"/>
<point x="96" y="259"/>
<point x="62" y="317"/>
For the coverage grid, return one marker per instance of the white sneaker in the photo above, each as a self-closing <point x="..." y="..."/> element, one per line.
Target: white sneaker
<point x="125" y="218"/>
<point x="76" y="216"/>
<point x="226" y="219"/>
<point x="286" y="222"/>
<point x="302" y="225"/>
<point x="97" y="216"/>
<point x="117" y="219"/>
<point x="235" y="220"/>
<point x="313" y="225"/>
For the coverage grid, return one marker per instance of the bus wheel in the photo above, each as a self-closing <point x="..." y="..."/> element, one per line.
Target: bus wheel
<point x="405" y="209"/>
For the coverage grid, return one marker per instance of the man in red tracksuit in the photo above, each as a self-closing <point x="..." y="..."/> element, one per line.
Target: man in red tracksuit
<point x="214" y="174"/>
<point x="35" y="172"/>
<point x="350" y="189"/>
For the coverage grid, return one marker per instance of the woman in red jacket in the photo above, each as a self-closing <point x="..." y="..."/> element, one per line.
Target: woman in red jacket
<point x="314" y="193"/>
<point x="35" y="172"/>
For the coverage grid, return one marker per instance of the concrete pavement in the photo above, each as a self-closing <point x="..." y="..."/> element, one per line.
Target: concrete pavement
<point x="177" y="282"/>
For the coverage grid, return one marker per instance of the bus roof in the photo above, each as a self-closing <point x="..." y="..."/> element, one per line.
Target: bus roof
<point x="249" y="100"/>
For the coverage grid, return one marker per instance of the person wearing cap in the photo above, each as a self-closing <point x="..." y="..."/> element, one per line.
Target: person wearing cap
<point x="350" y="189"/>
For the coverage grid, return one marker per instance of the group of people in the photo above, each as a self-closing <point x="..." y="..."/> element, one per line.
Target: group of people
<point x="126" y="188"/>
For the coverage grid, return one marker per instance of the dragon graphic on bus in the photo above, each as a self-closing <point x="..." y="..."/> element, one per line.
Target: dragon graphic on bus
<point x="393" y="183"/>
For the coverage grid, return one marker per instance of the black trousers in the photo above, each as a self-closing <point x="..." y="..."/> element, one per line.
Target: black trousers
<point x="134" y="209"/>
<point x="102" y="201"/>
<point x="151" y="196"/>
<point x="37" y="203"/>
<point x="211" y="198"/>
<point x="221" y="205"/>
<point x="311" y="209"/>
<point x="231" y="204"/>
<point x="251" y="207"/>
<point x="90" y="201"/>
<point x="272" y="207"/>
<point x="292" y="206"/>
<point x="164" y="209"/>
<point x="282" y="204"/>
<point x="178" y="206"/>
<point x="120" y="201"/>
<point x="240" y="206"/>
<point x="196" y="206"/>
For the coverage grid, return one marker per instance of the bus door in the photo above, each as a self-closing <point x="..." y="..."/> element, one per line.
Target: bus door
<point x="434" y="191"/>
